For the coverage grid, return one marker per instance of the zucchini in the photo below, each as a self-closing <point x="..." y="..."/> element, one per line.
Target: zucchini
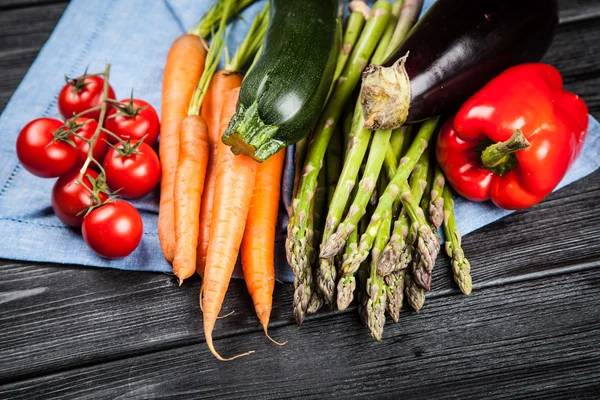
<point x="284" y="92"/>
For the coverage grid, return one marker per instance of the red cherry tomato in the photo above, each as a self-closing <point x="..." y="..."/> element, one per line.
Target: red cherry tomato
<point x="113" y="230"/>
<point x="39" y="155"/>
<point x="137" y="119"/>
<point x="82" y="94"/>
<point x="87" y="131"/>
<point x="69" y="198"/>
<point x="136" y="174"/>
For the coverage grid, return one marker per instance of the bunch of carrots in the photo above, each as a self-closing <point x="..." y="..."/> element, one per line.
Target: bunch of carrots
<point x="213" y="203"/>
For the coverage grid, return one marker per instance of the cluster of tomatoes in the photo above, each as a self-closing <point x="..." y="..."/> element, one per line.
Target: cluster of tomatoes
<point x="121" y="163"/>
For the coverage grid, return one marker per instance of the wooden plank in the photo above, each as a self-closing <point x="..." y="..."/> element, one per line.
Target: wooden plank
<point x="536" y="339"/>
<point x="578" y="10"/>
<point x="79" y="316"/>
<point x="22" y="33"/>
<point x="7" y="5"/>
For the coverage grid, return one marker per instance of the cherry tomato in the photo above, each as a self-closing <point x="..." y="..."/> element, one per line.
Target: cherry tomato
<point x="80" y="94"/>
<point x="113" y="230"/>
<point x="70" y="198"/>
<point x="39" y="155"/>
<point x="87" y="131"/>
<point x="136" y="174"/>
<point x="134" y="119"/>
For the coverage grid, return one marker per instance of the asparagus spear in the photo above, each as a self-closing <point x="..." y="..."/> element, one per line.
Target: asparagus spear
<point x="297" y="226"/>
<point x="410" y="12"/>
<point x="436" y="201"/>
<point x="460" y="265"/>
<point x="376" y="286"/>
<point x="395" y="293"/>
<point x="299" y="155"/>
<point x="407" y="164"/>
<point x="347" y="283"/>
<point x="333" y="162"/>
<point x="415" y="295"/>
<point x="316" y="300"/>
<point x="354" y="27"/>
<point x="396" y="255"/>
<point x="303" y="277"/>
<point x="427" y="243"/>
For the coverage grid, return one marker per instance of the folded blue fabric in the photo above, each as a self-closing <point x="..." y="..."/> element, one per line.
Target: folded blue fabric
<point x="134" y="36"/>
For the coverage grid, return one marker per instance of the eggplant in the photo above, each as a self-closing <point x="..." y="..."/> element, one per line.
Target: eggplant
<point x="456" y="48"/>
<point x="284" y="92"/>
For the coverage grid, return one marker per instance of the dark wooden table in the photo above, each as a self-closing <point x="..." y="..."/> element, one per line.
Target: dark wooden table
<point x="531" y="328"/>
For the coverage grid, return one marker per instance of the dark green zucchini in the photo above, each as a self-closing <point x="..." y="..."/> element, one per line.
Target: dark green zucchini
<point x="284" y="92"/>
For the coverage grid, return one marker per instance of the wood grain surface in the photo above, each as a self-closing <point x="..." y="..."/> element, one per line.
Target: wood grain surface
<point x="531" y="328"/>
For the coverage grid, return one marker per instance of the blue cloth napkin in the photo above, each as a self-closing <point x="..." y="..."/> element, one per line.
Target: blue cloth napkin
<point x="134" y="36"/>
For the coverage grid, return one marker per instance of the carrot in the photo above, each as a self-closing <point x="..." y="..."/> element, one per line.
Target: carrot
<point x="233" y="193"/>
<point x="221" y="83"/>
<point x="184" y="67"/>
<point x="188" y="187"/>
<point x="258" y="245"/>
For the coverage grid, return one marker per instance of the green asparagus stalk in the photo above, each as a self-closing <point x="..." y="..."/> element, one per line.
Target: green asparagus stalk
<point x="316" y="300"/>
<point x="407" y="164"/>
<point x="426" y="194"/>
<point x="320" y="206"/>
<point x="436" y="200"/>
<point x="315" y="303"/>
<point x="427" y="243"/>
<point x="347" y="283"/>
<point x="410" y="13"/>
<point x="407" y="139"/>
<point x="376" y="286"/>
<point x="333" y="163"/>
<point x="303" y="277"/>
<point x="391" y="162"/>
<point x="400" y="136"/>
<point x="354" y="27"/>
<point x="297" y="241"/>
<point x="299" y="155"/>
<point x="415" y="295"/>
<point x="394" y="256"/>
<point x="460" y="265"/>
<point x="395" y="293"/>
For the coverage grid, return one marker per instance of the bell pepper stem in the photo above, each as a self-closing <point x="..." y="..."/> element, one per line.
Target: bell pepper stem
<point x="500" y="155"/>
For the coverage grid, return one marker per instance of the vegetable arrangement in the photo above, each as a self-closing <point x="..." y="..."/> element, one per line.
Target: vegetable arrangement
<point x="364" y="223"/>
<point x="365" y="102"/>
<point x="100" y="151"/>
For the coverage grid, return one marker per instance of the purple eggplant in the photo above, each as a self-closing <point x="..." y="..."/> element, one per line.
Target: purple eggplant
<point x="455" y="49"/>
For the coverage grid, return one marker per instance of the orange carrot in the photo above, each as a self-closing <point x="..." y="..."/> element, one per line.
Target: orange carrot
<point x="258" y="245"/>
<point x="221" y="83"/>
<point x="187" y="193"/>
<point x="184" y="67"/>
<point x="233" y="193"/>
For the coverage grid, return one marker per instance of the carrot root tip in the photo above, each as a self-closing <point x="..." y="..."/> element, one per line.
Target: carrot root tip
<point x="271" y="339"/>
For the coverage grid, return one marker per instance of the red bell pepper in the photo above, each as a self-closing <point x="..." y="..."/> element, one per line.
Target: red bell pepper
<point x="514" y="140"/>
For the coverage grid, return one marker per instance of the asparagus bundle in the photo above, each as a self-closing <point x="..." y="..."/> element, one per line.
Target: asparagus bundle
<point x="383" y="204"/>
<point x="297" y="242"/>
